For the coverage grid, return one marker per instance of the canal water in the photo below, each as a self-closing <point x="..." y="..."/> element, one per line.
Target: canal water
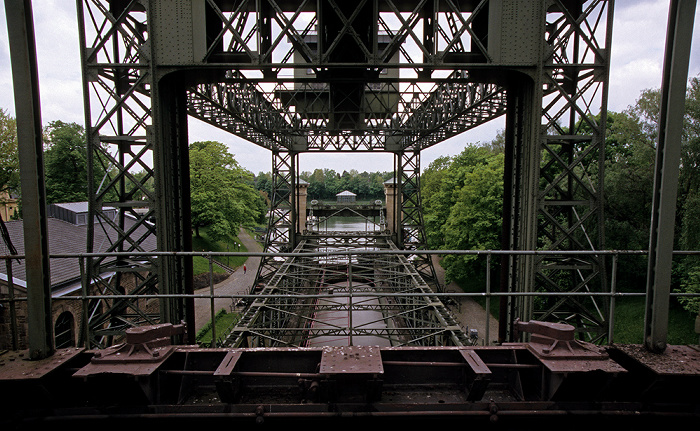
<point x="338" y="317"/>
<point x="345" y="224"/>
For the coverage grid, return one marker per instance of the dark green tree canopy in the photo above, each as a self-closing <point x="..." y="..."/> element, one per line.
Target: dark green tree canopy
<point x="462" y="205"/>
<point x="65" y="163"/>
<point x="9" y="162"/>
<point x="222" y="192"/>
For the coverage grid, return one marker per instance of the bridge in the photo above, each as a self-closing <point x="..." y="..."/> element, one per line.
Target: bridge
<point x="341" y="326"/>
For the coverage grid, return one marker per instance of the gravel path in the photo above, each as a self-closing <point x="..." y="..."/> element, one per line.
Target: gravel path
<point x="467" y="312"/>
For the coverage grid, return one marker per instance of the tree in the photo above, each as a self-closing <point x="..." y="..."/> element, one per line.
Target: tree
<point x="629" y="175"/>
<point x="462" y="202"/>
<point x="9" y="162"/>
<point x="65" y="163"/>
<point x="222" y="192"/>
<point x="474" y="221"/>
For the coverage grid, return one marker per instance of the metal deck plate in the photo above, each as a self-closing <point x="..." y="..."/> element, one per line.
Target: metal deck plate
<point x="15" y="365"/>
<point x="351" y="360"/>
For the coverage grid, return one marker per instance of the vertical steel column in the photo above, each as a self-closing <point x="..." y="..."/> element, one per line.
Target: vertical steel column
<point x="511" y="201"/>
<point x="20" y="29"/>
<point x="675" y="75"/>
<point x="282" y="220"/>
<point x="411" y="231"/>
<point x="528" y="150"/>
<point x="116" y="70"/>
<point x="173" y="206"/>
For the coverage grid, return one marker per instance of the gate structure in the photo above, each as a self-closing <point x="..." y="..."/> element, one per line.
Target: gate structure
<point x="331" y="76"/>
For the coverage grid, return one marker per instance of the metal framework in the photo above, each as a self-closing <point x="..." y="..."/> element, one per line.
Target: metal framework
<point x="570" y="204"/>
<point x="326" y="295"/>
<point x="374" y="75"/>
<point x="142" y="79"/>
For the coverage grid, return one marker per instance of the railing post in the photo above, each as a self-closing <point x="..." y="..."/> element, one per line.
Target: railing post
<point x="350" y="296"/>
<point x="613" y="290"/>
<point x="13" y="308"/>
<point x="213" y="307"/>
<point x="488" y="297"/>
<point x="83" y="292"/>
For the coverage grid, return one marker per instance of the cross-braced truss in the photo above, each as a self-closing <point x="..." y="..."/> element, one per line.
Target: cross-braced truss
<point x="570" y="215"/>
<point x="346" y="288"/>
<point x="325" y="75"/>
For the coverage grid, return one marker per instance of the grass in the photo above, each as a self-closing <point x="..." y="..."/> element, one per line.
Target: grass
<point x="205" y="243"/>
<point x="223" y="321"/>
<point x="629" y="316"/>
<point x="629" y="322"/>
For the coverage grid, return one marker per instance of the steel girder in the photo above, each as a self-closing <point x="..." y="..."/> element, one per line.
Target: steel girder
<point x="116" y="87"/>
<point x="312" y="300"/>
<point x="570" y="208"/>
<point x="282" y="224"/>
<point x="298" y="119"/>
<point x="397" y="76"/>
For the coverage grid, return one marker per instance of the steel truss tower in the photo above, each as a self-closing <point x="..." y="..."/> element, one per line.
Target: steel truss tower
<point x="324" y="75"/>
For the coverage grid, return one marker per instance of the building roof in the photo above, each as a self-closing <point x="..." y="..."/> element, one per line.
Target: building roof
<point x="346" y="193"/>
<point x="67" y="238"/>
<point x="76" y="207"/>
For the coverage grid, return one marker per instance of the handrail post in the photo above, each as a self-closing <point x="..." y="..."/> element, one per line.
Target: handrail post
<point x="350" y="296"/>
<point x="211" y="293"/>
<point x="613" y="290"/>
<point x="488" y="297"/>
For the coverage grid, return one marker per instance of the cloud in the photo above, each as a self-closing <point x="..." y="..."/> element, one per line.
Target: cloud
<point x="639" y="33"/>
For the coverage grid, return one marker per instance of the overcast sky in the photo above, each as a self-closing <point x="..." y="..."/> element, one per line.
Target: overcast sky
<point x="639" y="32"/>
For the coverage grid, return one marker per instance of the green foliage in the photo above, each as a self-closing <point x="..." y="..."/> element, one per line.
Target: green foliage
<point x="628" y="184"/>
<point x="629" y="179"/>
<point x="65" y="163"/>
<point x="223" y="322"/>
<point x="204" y="242"/>
<point x="324" y="184"/>
<point x="690" y="284"/>
<point x="222" y="192"/>
<point x="462" y="205"/>
<point x="9" y="162"/>
<point x="629" y="318"/>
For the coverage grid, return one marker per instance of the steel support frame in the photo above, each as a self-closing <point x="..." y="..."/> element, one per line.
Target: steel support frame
<point x="244" y="61"/>
<point x="675" y="75"/>
<point x="120" y="87"/>
<point x="294" y="115"/>
<point x="25" y="77"/>
<point x="567" y="178"/>
<point x="297" y="306"/>
<point x="410" y="233"/>
<point x="282" y="224"/>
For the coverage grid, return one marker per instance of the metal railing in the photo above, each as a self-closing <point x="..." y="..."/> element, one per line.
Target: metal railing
<point x="10" y="300"/>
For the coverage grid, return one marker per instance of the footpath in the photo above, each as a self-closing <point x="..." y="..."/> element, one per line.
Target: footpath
<point x="237" y="283"/>
<point x="468" y="312"/>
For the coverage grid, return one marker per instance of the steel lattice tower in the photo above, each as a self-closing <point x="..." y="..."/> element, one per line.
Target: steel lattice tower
<point x="375" y="75"/>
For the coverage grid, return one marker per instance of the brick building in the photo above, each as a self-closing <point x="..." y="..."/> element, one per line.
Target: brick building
<point x="67" y="234"/>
